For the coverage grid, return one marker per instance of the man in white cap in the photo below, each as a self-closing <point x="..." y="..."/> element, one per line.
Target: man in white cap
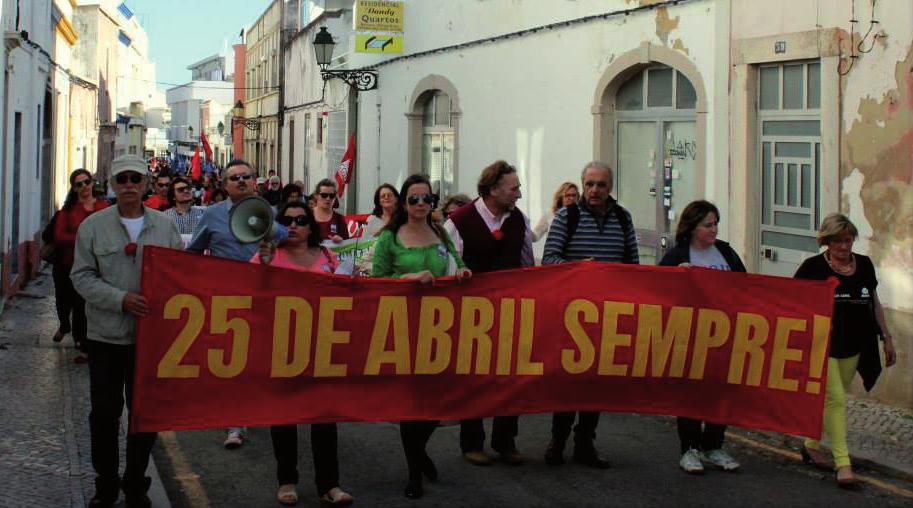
<point x="106" y="273"/>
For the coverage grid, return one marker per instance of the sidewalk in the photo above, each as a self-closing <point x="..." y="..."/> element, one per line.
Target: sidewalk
<point x="44" y="410"/>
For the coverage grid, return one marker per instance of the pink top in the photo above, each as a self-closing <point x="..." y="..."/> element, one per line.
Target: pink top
<point x="327" y="262"/>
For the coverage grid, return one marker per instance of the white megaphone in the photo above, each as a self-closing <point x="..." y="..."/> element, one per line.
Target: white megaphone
<point x="251" y="220"/>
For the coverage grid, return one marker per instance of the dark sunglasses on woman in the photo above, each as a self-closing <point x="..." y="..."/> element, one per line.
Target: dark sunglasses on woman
<point x="78" y="184"/>
<point x="415" y="198"/>
<point x="133" y="177"/>
<point x="299" y="220"/>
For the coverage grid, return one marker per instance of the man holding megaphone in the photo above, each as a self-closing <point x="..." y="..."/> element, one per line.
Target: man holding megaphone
<point x="214" y="233"/>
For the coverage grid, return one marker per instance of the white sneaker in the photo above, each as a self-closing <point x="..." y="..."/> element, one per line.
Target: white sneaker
<point x="234" y="440"/>
<point x="691" y="462"/>
<point x="720" y="459"/>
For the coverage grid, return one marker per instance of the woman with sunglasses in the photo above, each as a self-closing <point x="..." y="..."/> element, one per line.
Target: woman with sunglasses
<point x="332" y="225"/>
<point x="80" y="203"/>
<point x="303" y="252"/>
<point x="413" y="247"/>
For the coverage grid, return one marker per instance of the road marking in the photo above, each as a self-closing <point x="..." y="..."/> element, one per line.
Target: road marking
<point x="190" y="481"/>
<point x="795" y="456"/>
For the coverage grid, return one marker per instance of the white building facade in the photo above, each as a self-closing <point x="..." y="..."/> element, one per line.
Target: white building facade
<point x="186" y="105"/>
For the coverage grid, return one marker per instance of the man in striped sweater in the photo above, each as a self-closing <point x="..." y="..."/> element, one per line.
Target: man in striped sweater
<point x="597" y="229"/>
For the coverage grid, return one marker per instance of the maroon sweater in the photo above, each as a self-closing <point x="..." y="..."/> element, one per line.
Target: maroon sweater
<point x="482" y="252"/>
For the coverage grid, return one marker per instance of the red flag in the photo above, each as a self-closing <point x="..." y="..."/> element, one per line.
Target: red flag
<point x="206" y="147"/>
<point x="346" y="166"/>
<point x="196" y="171"/>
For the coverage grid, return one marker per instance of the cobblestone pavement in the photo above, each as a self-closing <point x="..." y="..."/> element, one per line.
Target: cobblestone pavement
<point x="44" y="410"/>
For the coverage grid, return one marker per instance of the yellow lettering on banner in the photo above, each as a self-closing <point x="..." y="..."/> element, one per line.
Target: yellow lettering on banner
<point x="525" y="365"/>
<point x="170" y="365"/>
<point x="611" y="339"/>
<point x="327" y="336"/>
<point x="751" y="331"/>
<point x="576" y="361"/>
<point x="435" y="319"/>
<point x="712" y="331"/>
<point x="505" y="337"/>
<point x="286" y="306"/>
<point x="782" y="353"/>
<point x="477" y="316"/>
<point x="390" y="309"/>
<point x="219" y="323"/>
<point x="657" y="343"/>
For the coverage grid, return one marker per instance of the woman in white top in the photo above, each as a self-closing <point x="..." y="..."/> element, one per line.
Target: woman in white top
<point x="385" y="199"/>
<point x="567" y="194"/>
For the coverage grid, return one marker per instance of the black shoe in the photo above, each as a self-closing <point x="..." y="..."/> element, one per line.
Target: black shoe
<point x="554" y="454"/>
<point x="106" y="493"/>
<point x="139" y="501"/>
<point x="100" y="500"/>
<point x="414" y="489"/>
<point x="429" y="469"/>
<point x="588" y="456"/>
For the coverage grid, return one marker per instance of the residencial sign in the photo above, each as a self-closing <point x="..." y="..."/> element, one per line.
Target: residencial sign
<point x="378" y="43"/>
<point x="379" y="16"/>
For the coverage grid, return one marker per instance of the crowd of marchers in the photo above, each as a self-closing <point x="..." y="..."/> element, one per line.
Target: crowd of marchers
<point x="95" y="241"/>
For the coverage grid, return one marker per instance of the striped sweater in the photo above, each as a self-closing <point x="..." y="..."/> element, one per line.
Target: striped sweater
<point x="589" y="241"/>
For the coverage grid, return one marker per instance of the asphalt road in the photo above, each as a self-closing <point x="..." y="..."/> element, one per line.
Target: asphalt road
<point x="198" y="472"/>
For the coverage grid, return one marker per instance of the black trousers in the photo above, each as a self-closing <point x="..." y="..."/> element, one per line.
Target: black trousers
<point x="503" y="432"/>
<point x="692" y="435"/>
<point x="415" y="435"/>
<point x="323" y="448"/>
<point x="111" y="369"/>
<point x="69" y="302"/>
<point x="584" y="432"/>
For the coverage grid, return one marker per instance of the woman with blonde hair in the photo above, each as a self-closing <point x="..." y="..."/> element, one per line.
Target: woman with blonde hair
<point x="857" y="323"/>
<point x="567" y="194"/>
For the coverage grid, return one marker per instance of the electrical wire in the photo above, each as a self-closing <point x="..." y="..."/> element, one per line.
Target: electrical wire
<point x="76" y="80"/>
<point x="184" y="85"/>
<point x="853" y="56"/>
<point x="872" y="23"/>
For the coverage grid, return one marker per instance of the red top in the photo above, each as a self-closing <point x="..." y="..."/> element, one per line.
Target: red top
<point x="67" y="225"/>
<point x="156" y="202"/>
<point x="335" y="226"/>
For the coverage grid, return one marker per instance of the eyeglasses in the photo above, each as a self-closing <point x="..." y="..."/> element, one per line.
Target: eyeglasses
<point x="78" y="184"/>
<point x="133" y="177"/>
<point x="161" y="185"/>
<point x="244" y="176"/>
<point x="327" y="195"/>
<point x="299" y="220"/>
<point x="182" y="189"/>
<point x="415" y="198"/>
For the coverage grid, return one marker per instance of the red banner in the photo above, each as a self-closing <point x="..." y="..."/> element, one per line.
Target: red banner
<point x="259" y="345"/>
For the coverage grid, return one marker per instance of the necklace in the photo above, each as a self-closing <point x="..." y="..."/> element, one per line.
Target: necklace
<point x="847" y="269"/>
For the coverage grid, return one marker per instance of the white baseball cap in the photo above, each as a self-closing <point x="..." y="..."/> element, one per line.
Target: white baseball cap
<point x="128" y="162"/>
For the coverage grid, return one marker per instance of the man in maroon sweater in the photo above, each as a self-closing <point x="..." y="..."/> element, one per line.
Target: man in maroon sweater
<point x="491" y="234"/>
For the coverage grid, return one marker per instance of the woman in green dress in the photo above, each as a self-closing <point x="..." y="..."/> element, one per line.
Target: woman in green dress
<point x="413" y="247"/>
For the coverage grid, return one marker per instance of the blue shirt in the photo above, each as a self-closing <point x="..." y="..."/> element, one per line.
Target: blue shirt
<point x="214" y="233"/>
<point x="600" y="238"/>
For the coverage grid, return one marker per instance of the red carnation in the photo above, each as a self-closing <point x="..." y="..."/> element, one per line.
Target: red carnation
<point x="497" y="234"/>
<point x="130" y="249"/>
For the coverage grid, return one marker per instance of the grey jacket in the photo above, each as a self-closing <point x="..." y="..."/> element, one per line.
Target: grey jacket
<point x="103" y="273"/>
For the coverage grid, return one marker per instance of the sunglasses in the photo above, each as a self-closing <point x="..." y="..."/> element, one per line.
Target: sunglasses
<point x="245" y="177"/>
<point x="133" y="178"/>
<point x="328" y="195"/>
<point x="299" y="220"/>
<point x="182" y="189"/>
<point x="78" y="184"/>
<point x="415" y="198"/>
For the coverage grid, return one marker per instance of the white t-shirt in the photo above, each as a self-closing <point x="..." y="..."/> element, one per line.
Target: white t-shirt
<point x="709" y="258"/>
<point x="134" y="226"/>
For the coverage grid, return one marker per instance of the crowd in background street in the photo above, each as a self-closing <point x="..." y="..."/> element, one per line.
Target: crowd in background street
<point x="95" y="241"/>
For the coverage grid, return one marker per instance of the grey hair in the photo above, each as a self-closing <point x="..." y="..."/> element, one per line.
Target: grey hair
<point x="601" y="165"/>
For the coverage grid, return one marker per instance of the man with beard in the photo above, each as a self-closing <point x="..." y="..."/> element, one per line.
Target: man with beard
<point x="491" y="234"/>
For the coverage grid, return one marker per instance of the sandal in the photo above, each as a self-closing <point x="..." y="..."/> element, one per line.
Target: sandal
<point x="336" y="497"/>
<point x="813" y="457"/>
<point x="81" y="358"/>
<point x="287" y="494"/>
<point x="58" y="336"/>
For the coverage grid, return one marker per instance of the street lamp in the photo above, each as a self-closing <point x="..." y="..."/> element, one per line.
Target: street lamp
<point x="323" y="48"/>
<point x="237" y="116"/>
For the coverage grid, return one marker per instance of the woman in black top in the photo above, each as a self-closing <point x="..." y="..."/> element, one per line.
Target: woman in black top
<point x="696" y="244"/>
<point x="857" y="322"/>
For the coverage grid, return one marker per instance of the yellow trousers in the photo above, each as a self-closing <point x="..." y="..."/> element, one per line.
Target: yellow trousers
<point x="840" y="373"/>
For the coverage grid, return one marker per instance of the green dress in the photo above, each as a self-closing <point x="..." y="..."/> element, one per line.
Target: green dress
<point x="392" y="259"/>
